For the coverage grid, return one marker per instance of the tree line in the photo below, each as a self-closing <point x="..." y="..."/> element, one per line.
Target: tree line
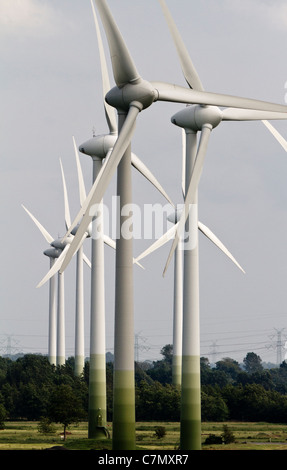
<point x="32" y="389"/>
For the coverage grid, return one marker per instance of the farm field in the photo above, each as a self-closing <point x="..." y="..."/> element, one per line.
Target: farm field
<point x="248" y="436"/>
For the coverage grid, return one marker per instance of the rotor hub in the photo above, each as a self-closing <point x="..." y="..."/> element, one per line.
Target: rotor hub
<point x="174" y="217"/>
<point x="141" y="92"/>
<point x="195" y="117"/>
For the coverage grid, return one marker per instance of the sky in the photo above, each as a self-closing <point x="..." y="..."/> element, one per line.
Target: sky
<point x="51" y="91"/>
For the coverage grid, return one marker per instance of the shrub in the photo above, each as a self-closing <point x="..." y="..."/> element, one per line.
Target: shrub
<point x="46" y="427"/>
<point x="160" y="432"/>
<point x="227" y="435"/>
<point x="213" y="439"/>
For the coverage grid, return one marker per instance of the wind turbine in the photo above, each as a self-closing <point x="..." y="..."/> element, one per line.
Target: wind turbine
<point x="79" y="300"/>
<point x="193" y="119"/>
<point x="99" y="147"/>
<point x="132" y="95"/>
<point x="54" y="253"/>
<point x="56" y="347"/>
<point x="79" y="317"/>
<point x="178" y="284"/>
<point x="178" y="275"/>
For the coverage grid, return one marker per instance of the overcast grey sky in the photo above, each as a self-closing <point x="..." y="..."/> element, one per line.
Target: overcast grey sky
<point x="51" y="90"/>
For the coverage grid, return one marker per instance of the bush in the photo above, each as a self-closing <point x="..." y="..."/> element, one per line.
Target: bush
<point x="46" y="427"/>
<point x="160" y="432"/>
<point x="227" y="435"/>
<point x="213" y="439"/>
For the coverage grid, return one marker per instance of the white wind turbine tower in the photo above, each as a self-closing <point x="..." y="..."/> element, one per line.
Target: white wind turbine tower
<point x="79" y="317"/>
<point x="194" y="119"/>
<point x="52" y="253"/>
<point x="132" y="95"/>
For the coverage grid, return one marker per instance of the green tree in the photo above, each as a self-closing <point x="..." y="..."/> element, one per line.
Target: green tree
<point x="3" y="416"/>
<point x="32" y="401"/>
<point x="31" y="368"/>
<point x="232" y="396"/>
<point x="65" y="407"/>
<point x="252" y="363"/>
<point x="213" y="408"/>
<point x="161" y="371"/>
<point x="156" y="401"/>
<point x="229" y="366"/>
<point x="167" y="352"/>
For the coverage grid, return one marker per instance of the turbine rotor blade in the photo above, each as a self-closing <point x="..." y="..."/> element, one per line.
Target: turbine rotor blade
<point x="191" y="192"/>
<point x="190" y="74"/>
<point x="66" y="203"/>
<point x="109" y="111"/>
<point x="142" y="168"/>
<point x="109" y="241"/>
<point x="236" y="114"/>
<point x="276" y="134"/>
<point x="183" y="151"/>
<point x="102" y="181"/>
<point x="82" y="189"/>
<point x="44" y="232"/>
<point x="205" y="230"/>
<point x="178" y="94"/>
<point x="166" y="237"/>
<point x="208" y="233"/>
<point x="124" y="69"/>
<point x="87" y="261"/>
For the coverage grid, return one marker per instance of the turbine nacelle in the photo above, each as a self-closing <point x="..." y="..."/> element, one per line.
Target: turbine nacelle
<point x="52" y="252"/>
<point x="88" y="231"/>
<point x="175" y="216"/>
<point x="98" y="146"/>
<point x="196" y="116"/>
<point x="60" y="244"/>
<point x="141" y="92"/>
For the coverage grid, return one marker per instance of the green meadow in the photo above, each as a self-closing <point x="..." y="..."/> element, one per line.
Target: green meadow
<point x="247" y="436"/>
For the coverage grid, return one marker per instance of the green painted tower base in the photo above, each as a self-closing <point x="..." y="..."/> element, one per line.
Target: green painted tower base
<point x="176" y="371"/>
<point x="190" y="423"/>
<point x="97" y="398"/>
<point x="124" y="411"/>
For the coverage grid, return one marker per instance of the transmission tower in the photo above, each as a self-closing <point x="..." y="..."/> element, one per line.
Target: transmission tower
<point x="278" y="344"/>
<point x="213" y="352"/>
<point x="138" y="346"/>
<point x="8" y="346"/>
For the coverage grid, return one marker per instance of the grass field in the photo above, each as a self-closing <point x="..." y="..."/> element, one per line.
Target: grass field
<point x="248" y="436"/>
